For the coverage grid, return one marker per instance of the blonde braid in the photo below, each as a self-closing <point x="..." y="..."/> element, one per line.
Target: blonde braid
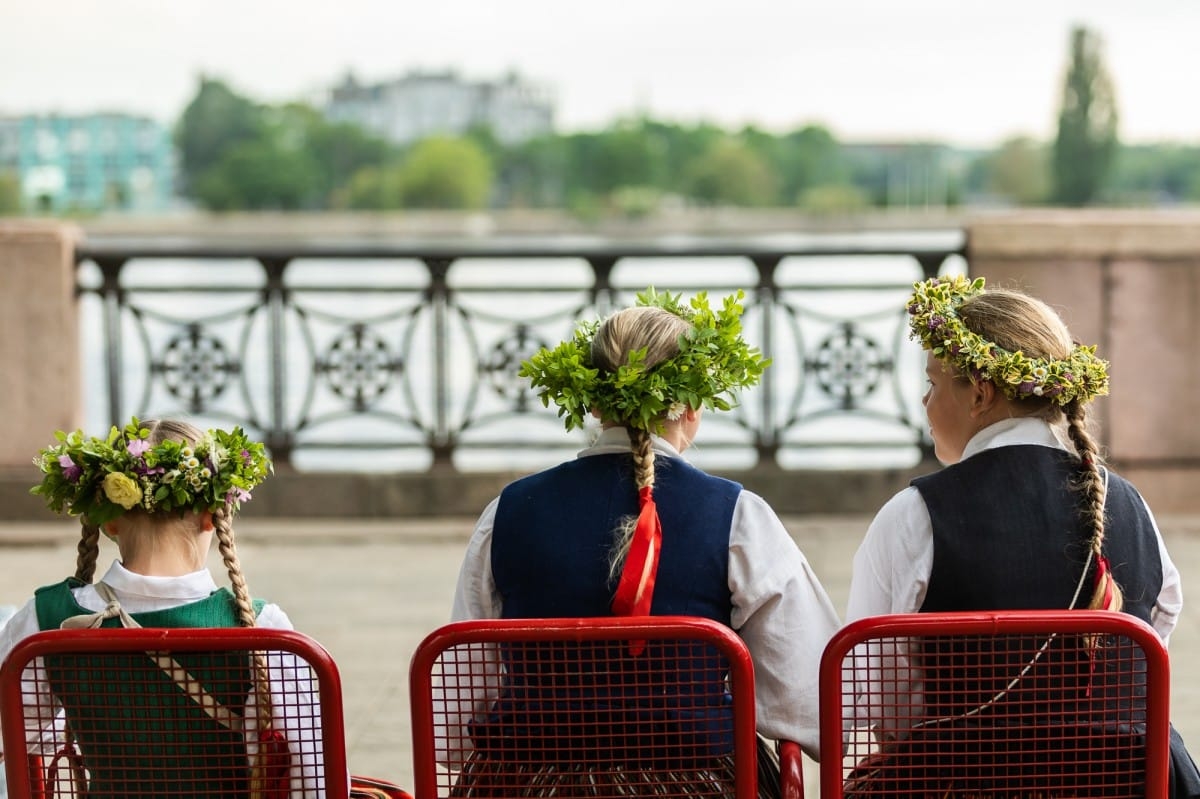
<point x="1093" y="490"/>
<point x="642" y="450"/>
<point x="89" y="551"/>
<point x="223" y="522"/>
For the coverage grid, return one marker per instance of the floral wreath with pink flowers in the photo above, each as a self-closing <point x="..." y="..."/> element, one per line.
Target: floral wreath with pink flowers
<point x="102" y="478"/>
<point x="933" y="312"/>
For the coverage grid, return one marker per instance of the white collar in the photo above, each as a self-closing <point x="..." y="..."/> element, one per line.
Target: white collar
<point x="1013" y="432"/>
<point x="612" y="440"/>
<point x="188" y="587"/>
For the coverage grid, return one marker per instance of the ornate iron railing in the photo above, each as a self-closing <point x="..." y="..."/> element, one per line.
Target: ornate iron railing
<point x="372" y="357"/>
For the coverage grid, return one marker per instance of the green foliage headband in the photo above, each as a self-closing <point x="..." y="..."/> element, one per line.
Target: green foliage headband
<point x="101" y="478"/>
<point x="934" y="320"/>
<point x="713" y="363"/>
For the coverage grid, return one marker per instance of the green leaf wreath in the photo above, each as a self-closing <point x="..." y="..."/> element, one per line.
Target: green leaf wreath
<point x="713" y="364"/>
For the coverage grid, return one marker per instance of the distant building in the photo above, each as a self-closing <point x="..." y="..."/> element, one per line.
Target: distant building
<point x="93" y="162"/>
<point x="422" y="104"/>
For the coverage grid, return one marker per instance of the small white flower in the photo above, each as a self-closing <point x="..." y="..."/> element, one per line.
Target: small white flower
<point x="205" y="473"/>
<point x="1037" y="390"/>
<point x="186" y="452"/>
<point x="191" y="463"/>
<point x="675" y="410"/>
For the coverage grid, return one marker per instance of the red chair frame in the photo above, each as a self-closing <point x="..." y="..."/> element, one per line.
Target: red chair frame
<point x="106" y="641"/>
<point x="962" y="624"/>
<point x="649" y="629"/>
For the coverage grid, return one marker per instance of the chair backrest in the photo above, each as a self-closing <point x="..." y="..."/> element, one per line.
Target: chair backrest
<point x="503" y="705"/>
<point x="980" y="704"/>
<point x="156" y="712"/>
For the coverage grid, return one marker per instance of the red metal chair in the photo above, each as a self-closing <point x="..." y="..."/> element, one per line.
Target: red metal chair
<point x="501" y="707"/>
<point x="169" y="712"/>
<point x="1015" y="704"/>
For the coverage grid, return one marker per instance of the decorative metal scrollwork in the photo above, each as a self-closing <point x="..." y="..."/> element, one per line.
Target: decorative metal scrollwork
<point x="499" y="368"/>
<point x="195" y="367"/>
<point x="848" y="365"/>
<point x="359" y="366"/>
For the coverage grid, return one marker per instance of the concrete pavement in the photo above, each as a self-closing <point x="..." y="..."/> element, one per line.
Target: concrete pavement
<point x="370" y="590"/>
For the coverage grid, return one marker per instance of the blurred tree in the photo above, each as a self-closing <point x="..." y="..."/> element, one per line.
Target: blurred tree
<point x="1019" y="171"/>
<point x="444" y="172"/>
<point x="730" y="173"/>
<point x="214" y="121"/>
<point x="808" y="158"/>
<point x="1087" y="124"/>
<point x="10" y="193"/>
<point x="259" y="175"/>
<point x="375" y="188"/>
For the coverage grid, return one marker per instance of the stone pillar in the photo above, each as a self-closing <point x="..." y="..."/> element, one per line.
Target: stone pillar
<point x="1128" y="281"/>
<point x="40" y="368"/>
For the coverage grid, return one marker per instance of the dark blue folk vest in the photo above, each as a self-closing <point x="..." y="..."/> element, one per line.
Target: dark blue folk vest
<point x="550" y="558"/>
<point x="1008" y="534"/>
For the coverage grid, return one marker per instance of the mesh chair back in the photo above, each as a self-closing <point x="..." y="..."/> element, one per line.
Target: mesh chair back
<point x="1015" y="704"/>
<point x="171" y="712"/>
<point x="588" y="706"/>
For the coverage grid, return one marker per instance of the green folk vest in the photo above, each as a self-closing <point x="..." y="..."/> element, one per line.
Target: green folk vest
<point x="146" y="735"/>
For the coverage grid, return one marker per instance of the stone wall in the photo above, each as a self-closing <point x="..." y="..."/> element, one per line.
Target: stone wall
<point x="1130" y="283"/>
<point x="40" y="371"/>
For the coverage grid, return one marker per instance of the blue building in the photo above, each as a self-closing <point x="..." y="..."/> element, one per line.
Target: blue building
<point x="88" y="163"/>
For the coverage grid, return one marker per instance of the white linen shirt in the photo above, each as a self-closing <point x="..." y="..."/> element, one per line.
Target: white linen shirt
<point x="295" y="702"/>
<point x="893" y="564"/>
<point x="780" y="609"/>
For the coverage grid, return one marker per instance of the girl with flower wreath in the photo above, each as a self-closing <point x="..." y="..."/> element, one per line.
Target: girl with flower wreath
<point x="1024" y="515"/>
<point x="630" y="528"/>
<point x="162" y="490"/>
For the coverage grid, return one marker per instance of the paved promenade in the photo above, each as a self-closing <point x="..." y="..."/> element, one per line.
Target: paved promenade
<point x="370" y="590"/>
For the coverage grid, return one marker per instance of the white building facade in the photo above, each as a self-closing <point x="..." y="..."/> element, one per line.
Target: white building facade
<point x="423" y="104"/>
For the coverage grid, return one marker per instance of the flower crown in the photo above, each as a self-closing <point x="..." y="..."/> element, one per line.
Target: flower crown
<point x="713" y="362"/>
<point x="101" y="478"/>
<point x="935" y="321"/>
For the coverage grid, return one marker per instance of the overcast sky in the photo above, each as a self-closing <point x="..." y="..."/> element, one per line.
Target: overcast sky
<point x="960" y="71"/>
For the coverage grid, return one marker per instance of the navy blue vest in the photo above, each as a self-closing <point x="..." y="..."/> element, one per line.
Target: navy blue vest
<point x="550" y="558"/>
<point x="554" y="530"/>
<point x="1008" y="534"/>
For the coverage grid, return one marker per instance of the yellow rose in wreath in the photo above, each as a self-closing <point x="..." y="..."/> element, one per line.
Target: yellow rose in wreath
<point x="122" y="489"/>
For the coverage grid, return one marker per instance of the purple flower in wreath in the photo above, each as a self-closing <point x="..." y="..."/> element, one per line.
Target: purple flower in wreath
<point x="935" y="322"/>
<point x="1026" y="387"/>
<point x="70" y="469"/>
<point x="236" y="495"/>
<point x="138" y="447"/>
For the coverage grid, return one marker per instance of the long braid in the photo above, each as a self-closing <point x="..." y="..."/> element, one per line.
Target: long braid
<point x="223" y="523"/>
<point x="643" y="457"/>
<point x="88" y="551"/>
<point x="1093" y="489"/>
<point x="642" y="449"/>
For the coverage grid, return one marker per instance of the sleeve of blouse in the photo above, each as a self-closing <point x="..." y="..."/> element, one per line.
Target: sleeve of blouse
<point x="784" y="615"/>
<point x="296" y="707"/>
<point x="41" y="738"/>
<point x="1168" y="606"/>
<point x="476" y="684"/>
<point x="891" y="575"/>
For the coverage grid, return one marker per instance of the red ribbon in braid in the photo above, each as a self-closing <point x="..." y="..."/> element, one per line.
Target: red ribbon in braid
<point x="1103" y="571"/>
<point x="635" y="590"/>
